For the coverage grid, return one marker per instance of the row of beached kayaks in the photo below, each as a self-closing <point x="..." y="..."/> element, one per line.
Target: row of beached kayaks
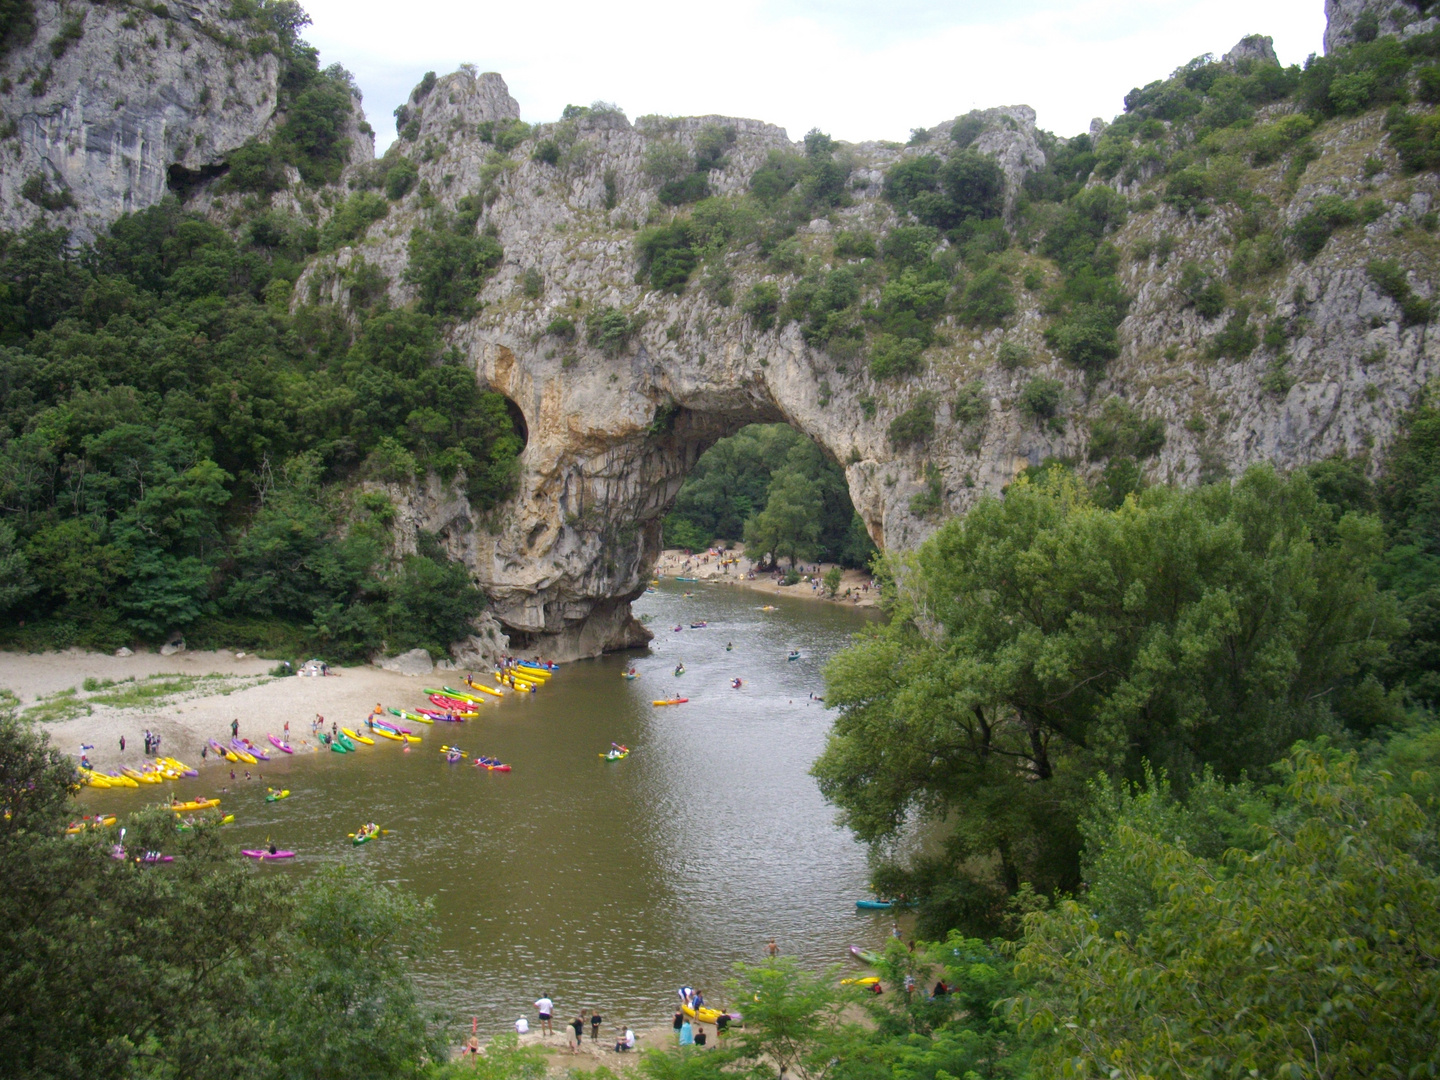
<point x="155" y="772"/>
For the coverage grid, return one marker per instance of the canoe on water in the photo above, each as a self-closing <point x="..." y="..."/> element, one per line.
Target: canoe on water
<point x="865" y="956"/>
<point x="279" y="744"/>
<point x="539" y="665"/>
<point x="263" y="855"/>
<point x="616" y="755"/>
<point x="670" y="701"/>
<point x="629" y="675"/>
<point x="276" y="796"/>
<point x="874" y="905"/>
<point x="491" y="764"/>
<point x="193" y="804"/>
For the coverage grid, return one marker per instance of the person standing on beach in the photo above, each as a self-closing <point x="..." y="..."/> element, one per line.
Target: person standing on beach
<point x="122" y="744"/>
<point x="594" y="1026"/>
<point x="579" y="1025"/>
<point x="546" y="1008"/>
<point x="235" y="728"/>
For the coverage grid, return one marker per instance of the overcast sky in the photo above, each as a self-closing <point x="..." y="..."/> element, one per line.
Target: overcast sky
<point x="859" y="69"/>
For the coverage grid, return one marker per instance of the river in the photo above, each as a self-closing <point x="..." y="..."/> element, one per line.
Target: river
<point x="606" y="884"/>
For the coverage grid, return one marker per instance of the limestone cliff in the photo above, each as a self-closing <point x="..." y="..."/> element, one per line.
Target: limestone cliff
<point x="623" y="384"/>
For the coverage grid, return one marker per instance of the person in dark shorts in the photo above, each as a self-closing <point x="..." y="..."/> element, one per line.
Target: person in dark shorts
<point x="545" y="1007"/>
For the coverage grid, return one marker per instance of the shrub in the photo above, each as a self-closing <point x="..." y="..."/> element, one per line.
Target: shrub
<point x="256" y="166"/>
<point x="666" y="256"/>
<point x="855" y="244"/>
<point x="891" y="356"/>
<point x="1312" y="231"/>
<point x="1428" y="79"/>
<point x="1120" y="430"/>
<point x="1012" y="355"/>
<point x="1202" y="291"/>
<point x="400" y="178"/>
<point x="1087" y="338"/>
<point x="915" y="425"/>
<point x="561" y="327"/>
<point x="504" y="135"/>
<point x="351" y="218"/>
<point x="762" y="303"/>
<point x="1237" y="339"/>
<point x="37" y="190"/>
<point x="988" y="299"/>
<point x="688" y="189"/>
<point x="448" y="266"/>
<point x="967" y="129"/>
<point x="710" y="146"/>
<point x="609" y="330"/>
<point x="532" y="283"/>
<point x="1277" y="379"/>
<point x="547" y="152"/>
<point x="1390" y="278"/>
<point x="1416" y="139"/>
<point x="667" y="161"/>
<point x="1042" y="398"/>
<point x="972" y="404"/>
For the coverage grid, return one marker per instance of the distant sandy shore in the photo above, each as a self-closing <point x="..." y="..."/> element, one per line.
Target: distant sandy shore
<point x="857" y="589"/>
<point x="247" y="693"/>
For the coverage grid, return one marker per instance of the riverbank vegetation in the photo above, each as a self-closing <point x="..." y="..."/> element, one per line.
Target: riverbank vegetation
<point x="773" y="488"/>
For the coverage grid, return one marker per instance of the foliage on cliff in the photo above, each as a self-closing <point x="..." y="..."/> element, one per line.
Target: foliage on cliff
<point x="179" y="444"/>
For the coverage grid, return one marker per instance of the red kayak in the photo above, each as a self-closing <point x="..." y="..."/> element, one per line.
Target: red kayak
<point x="279" y="745"/>
<point x="440" y="701"/>
<point x="492" y="764"/>
<point x="254" y="854"/>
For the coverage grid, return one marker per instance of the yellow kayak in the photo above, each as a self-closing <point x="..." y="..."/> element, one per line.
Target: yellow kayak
<point x="705" y="1015"/>
<point x="460" y="695"/>
<point x="417" y="718"/>
<point x="97" y="822"/>
<point x="533" y="674"/>
<point x="193" y="804"/>
<point x="230" y="755"/>
<point x="485" y="690"/>
<point x="412" y="738"/>
<point x="358" y="737"/>
<point x="94" y="779"/>
<point x="866" y="980"/>
<point x="389" y="735"/>
<point x="246" y="756"/>
<point x="122" y="781"/>
<point x="142" y="777"/>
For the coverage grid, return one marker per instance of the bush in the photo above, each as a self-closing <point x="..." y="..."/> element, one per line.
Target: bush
<point x="1202" y="291"/>
<point x="1012" y="355"/>
<point x="37" y="190"/>
<point x="504" y="135"/>
<point x="915" y="425"/>
<point x="351" y="218"/>
<point x="855" y="244"/>
<point x="1415" y="138"/>
<point x="967" y="129"/>
<point x="561" y="327"/>
<point x="609" y="330"/>
<point x="762" y="303"/>
<point x="988" y="299"/>
<point x="257" y="167"/>
<point x="1042" y="398"/>
<point x="447" y="267"/>
<point x="972" y="404"/>
<point x="1088" y="338"/>
<point x="532" y="283"/>
<point x="1122" y="431"/>
<point x="547" y="152"/>
<point x="710" y="146"/>
<point x="666" y="256"/>
<point x="688" y="189"/>
<point x="1313" y="231"/>
<point x="1390" y="278"/>
<point x="1237" y="339"/>
<point x="400" y="178"/>
<point x="891" y="356"/>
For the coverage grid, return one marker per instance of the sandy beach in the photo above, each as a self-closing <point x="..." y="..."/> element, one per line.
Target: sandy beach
<point x="857" y="588"/>
<point x="211" y="690"/>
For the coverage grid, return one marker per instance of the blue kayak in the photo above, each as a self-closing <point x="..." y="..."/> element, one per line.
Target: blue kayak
<point x="875" y="905"/>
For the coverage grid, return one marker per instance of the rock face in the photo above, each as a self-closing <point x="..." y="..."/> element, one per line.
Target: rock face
<point x="414" y="662"/>
<point x="612" y="436"/>
<point x="613" y="432"/>
<point x="1253" y="48"/>
<point x="108" y="107"/>
<point x="1349" y="21"/>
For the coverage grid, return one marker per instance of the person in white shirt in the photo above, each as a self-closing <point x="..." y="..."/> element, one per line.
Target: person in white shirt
<point x="625" y="1042"/>
<point x="522" y="1026"/>
<point x="546" y="1008"/>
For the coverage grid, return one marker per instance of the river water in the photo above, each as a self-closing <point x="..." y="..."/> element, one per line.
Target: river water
<point x="606" y="884"/>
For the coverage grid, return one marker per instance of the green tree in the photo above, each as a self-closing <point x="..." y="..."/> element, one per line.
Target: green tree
<point x="789" y="526"/>
<point x="1310" y="957"/>
<point x="1042" y="640"/>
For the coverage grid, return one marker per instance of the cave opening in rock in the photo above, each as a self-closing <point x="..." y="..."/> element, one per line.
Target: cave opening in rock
<point x="517" y="417"/>
<point x="776" y="491"/>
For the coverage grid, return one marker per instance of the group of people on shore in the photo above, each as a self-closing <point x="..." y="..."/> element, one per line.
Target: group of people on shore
<point x="574" y="1029"/>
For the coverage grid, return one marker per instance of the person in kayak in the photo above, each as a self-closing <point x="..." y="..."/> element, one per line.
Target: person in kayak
<point x="680" y="668"/>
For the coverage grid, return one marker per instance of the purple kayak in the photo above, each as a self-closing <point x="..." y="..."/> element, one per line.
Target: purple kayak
<point x="279" y="744"/>
<point x="263" y="855"/>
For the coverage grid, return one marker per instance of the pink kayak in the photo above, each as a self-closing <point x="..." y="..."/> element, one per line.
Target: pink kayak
<point x="262" y="854"/>
<point x="436" y="714"/>
<point x="279" y="745"/>
<point x="449" y="703"/>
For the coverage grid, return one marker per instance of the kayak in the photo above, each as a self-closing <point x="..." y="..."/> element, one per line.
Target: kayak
<point x="865" y="956"/>
<point x="629" y="675"/>
<point x="179" y="766"/>
<point x="276" y="796"/>
<point x="421" y="717"/>
<point x="698" y="625"/>
<point x="97" y="822"/>
<point x="244" y="755"/>
<point x="671" y="701"/>
<point x="363" y="837"/>
<point x="94" y="779"/>
<point x="193" y="804"/>
<point x="140" y="777"/>
<point x="875" y="905"/>
<point x="484" y="689"/>
<point x="451" y="705"/>
<point x="389" y="735"/>
<point x="429" y="716"/>
<point x="222" y="751"/>
<point x="864" y="980"/>
<point x="538" y="665"/>
<point x="255" y="750"/>
<point x="358" y="737"/>
<point x="263" y="855"/>
<point x="335" y="744"/>
<point x="704" y="1014"/>
<point x="534" y="674"/>
<point x="280" y="744"/>
<point x="616" y="755"/>
<point x="689" y="579"/>
<point x="793" y="656"/>
<point x="121" y="780"/>
<point x="492" y="764"/>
